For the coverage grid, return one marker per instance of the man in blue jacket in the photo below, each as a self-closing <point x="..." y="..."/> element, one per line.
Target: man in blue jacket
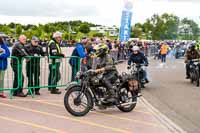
<point x="4" y="54"/>
<point x="79" y="51"/>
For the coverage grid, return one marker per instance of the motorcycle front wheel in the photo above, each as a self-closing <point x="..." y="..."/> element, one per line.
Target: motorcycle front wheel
<point x="78" y="103"/>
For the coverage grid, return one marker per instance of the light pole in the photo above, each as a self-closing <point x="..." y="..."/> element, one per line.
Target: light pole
<point x="69" y="30"/>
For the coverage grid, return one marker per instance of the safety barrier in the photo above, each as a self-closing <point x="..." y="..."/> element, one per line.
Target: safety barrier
<point x="35" y="72"/>
<point x="7" y="75"/>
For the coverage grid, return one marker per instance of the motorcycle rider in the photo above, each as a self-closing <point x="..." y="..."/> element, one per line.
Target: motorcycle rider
<point x="138" y="58"/>
<point x="104" y="63"/>
<point x="191" y="54"/>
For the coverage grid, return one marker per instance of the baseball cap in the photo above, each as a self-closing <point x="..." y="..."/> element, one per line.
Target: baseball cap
<point x="57" y="34"/>
<point x="34" y="38"/>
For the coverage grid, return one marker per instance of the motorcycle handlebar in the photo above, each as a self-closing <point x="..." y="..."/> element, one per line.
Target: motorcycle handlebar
<point x="140" y="65"/>
<point x="195" y="60"/>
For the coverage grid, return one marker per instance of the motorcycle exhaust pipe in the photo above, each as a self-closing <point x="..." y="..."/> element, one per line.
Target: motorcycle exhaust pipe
<point x="126" y="104"/>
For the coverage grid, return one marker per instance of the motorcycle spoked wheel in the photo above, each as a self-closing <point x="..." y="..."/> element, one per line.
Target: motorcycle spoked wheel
<point x="76" y="104"/>
<point x="192" y="77"/>
<point x="195" y="77"/>
<point x="129" y="108"/>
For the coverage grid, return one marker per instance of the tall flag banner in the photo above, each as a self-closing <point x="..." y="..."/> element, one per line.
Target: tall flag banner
<point x="125" y="29"/>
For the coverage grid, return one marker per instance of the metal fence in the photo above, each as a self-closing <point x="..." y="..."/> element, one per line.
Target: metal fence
<point x="35" y="72"/>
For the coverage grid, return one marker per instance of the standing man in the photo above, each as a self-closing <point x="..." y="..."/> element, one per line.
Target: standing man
<point x="18" y="51"/>
<point x="79" y="51"/>
<point x="54" y="50"/>
<point x="163" y="51"/>
<point x="33" y="66"/>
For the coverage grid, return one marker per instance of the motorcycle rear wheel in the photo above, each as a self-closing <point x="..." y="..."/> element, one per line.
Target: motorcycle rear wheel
<point x="129" y="108"/>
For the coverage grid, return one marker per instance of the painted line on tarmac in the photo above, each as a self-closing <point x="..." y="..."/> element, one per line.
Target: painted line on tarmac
<point x="169" y="124"/>
<point x="31" y="124"/>
<point x="60" y="101"/>
<point x="67" y="118"/>
<point x="114" y="116"/>
<point x="143" y="112"/>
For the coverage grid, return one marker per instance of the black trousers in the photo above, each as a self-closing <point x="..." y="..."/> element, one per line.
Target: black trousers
<point x="18" y="80"/>
<point x="187" y="69"/>
<point x="75" y="69"/>
<point x="163" y="58"/>
<point x="107" y="81"/>
<point x="54" y="75"/>
<point x="33" y="74"/>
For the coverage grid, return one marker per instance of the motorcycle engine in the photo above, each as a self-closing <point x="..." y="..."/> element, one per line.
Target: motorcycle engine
<point x="96" y="79"/>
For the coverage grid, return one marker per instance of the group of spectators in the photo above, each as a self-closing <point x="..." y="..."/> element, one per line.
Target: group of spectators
<point x="23" y="49"/>
<point x="83" y="49"/>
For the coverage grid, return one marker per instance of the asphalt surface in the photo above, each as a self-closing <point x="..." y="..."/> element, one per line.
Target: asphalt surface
<point x="46" y="114"/>
<point x="173" y="95"/>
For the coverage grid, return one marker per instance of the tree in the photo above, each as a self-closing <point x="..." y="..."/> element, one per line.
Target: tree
<point x="194" y="27"/>
<point x="98" y="35"/>
<point x="171" y="23"/>
<point x="18" y="30"/>
<point x="162" y="27"/>
<point x="84" y="28"/>
<point x="11" y="25"/>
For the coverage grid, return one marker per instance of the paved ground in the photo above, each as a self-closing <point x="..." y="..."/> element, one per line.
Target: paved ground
<point x="173" y="95"/>
<point x="46" y="113"/>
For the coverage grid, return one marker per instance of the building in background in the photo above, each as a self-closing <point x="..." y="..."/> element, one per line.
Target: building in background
<point x="111" y="31"/>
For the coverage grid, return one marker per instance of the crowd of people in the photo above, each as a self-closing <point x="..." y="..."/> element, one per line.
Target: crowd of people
<point x="22" y="49"/>
<point x="136" y="51"/>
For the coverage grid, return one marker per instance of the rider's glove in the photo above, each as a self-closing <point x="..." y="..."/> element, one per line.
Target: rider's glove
<point x="128" y="67"/>
<point x="91" y="72"/>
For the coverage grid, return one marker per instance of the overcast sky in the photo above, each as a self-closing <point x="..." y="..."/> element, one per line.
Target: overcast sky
<point x="105" y="12"/>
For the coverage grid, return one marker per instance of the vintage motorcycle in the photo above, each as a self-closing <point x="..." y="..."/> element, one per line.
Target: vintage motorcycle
<point x="82" y="97"/>
<point x="137" y="71"/>
<point x="194" y="71"/>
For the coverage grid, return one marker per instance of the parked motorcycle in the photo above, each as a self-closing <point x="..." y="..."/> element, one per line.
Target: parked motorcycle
<point x="82" y="97"/>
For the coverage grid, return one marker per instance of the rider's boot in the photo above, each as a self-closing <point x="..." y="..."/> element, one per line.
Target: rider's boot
<point x="111" y="98"/>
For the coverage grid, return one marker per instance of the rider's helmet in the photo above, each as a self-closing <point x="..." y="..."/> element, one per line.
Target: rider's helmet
<point x="192" y="46"/>
<point x="135" y="49"/>
<point x="101" y="50"/>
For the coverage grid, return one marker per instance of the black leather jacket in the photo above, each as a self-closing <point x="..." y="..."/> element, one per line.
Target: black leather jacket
<point x="35" y="51"/>
<point x="19" y="50"/>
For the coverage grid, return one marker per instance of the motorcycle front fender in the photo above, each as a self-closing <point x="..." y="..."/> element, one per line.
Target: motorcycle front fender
<point x="72" y="84"/>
